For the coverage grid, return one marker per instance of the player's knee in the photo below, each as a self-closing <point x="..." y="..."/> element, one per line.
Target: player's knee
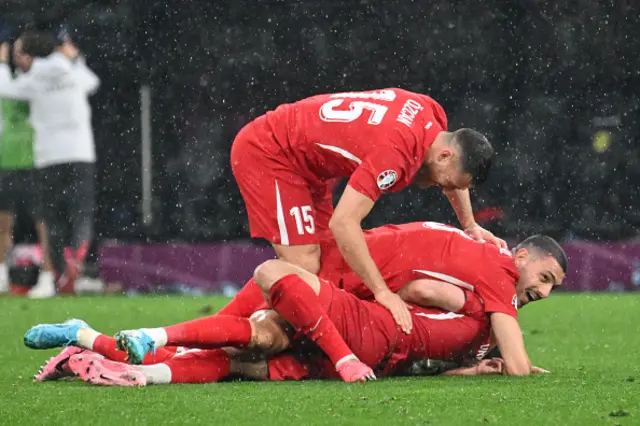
<point x="268" y="335"/>
<point x="267" y="273"/>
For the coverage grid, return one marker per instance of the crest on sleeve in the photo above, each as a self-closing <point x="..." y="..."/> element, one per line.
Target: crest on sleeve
<point x="514" y="301"/>
<point x="387" y="179"/>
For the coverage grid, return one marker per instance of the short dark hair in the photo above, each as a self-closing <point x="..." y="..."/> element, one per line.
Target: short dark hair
<point x="38" y="43"/>
<point x="548" y="246"/>
<point x="476" y="153"/>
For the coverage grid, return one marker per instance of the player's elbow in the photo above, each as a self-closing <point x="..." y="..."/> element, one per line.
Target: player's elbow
<point x="336" y="223"/>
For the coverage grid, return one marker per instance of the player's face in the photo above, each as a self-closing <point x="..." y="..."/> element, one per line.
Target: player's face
<point x="539" y="274"/>
<point x="444" y="171"/>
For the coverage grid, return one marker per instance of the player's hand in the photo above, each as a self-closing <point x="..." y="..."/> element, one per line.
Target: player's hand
<point x="535" y="369"/>
<point x="4" y="53"/>
<point x="480" y="234"/>
<point x="490" y="366"/>
<point x="398" y="308"/>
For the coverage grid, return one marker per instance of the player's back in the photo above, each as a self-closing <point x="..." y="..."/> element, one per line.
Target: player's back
<point x="329" y="135"/>
<point x="431" y="250"/>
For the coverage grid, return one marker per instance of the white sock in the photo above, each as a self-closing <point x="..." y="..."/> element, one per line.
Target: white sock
<point x="158" y="335"/>
<point x="86" y="337"/>
<point x="45" y="276"/>
<point x="156" y="374"/>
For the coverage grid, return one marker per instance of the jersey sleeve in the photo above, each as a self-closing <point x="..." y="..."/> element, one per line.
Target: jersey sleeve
<point x="384" y="170"/>
<point x="499" y="295"/>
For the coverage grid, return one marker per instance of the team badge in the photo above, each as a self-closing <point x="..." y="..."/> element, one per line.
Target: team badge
<point x="514" y="301"/>
<point x="386" y="179"/>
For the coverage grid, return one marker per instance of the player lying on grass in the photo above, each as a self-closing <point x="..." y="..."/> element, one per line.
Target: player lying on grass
<point x="365" y="325"/>
<point x="286" y="163"/>
<point x="407" y="253"/>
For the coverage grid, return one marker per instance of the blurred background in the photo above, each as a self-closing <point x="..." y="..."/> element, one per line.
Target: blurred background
<point x="555" y="86"/>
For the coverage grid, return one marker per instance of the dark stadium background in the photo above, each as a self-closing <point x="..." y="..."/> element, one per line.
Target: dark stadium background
<point x="556" y="86"/>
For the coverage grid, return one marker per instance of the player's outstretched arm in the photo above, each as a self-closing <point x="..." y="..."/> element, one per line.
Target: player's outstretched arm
<point x="508" y="335"/>
<point x="345" y="225"/>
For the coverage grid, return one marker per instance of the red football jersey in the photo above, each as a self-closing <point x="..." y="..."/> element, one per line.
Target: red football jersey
<point x="447" y="336"/>
<point x="378" y="138"/>
<point x="431" y="250"/>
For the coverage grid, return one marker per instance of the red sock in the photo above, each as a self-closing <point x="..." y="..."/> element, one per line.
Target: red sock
<point x="199" y="367"/>
<point x="300" y="306"/>
<point x="245" y="303"/>
<point x="211" y="332"/>
<point x="106" y="346"/>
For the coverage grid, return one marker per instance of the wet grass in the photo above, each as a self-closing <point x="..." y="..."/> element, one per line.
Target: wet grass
<point x="590" y="343"/>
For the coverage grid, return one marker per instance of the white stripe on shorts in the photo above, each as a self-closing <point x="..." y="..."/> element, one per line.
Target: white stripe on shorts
<point x="282" y="226"/>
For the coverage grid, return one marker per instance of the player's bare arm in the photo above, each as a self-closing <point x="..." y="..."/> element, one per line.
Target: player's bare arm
<point x="345" y="225"/>
<point x="434" y="294"/>
<point x="508" y="336"/>
<point x="461" y="202"/>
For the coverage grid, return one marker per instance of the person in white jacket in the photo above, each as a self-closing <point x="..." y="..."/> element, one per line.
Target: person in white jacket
<point x="57" y="85"/>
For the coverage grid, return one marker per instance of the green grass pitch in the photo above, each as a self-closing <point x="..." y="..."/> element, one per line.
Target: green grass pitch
<point x="591" y="343"/>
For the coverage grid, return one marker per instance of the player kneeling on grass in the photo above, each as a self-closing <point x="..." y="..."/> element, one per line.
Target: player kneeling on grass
<point x="502" y="281"/>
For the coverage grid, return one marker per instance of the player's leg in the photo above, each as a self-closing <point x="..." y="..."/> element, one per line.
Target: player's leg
<point x="196" y="366"/>
<point x="246" y="302"/>
<point x="81" y="211"/>
<point x="77" y="333"/>
<point x="263" y="332"/>
<point x="278" y="200"/>
<point x="76" y="337"/>
<point x="308" y="256"/>
<point x="33" y="204"/>
<point x="293" y="293"/>
<point x="51" y="185"/>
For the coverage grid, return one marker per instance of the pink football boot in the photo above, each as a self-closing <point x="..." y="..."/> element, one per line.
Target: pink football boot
<point x="97" y="370"/>
<point x="57" y="367"/>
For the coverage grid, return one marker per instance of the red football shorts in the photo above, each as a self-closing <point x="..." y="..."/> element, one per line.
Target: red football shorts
<point x="282" y="207"/>
<point x="367" y="327"/>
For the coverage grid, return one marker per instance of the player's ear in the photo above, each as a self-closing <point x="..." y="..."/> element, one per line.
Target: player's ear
<point x="521" y="254"/>
<point x="446" y="154"/>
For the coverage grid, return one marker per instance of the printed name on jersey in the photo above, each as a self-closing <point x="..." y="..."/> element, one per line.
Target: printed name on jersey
<point x="482" y="351"/>
<point x="408" y="112"/>
<point x="387" y="179"/>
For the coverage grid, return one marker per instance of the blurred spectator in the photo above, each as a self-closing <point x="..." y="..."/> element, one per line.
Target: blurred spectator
<point x="57" y="85"/>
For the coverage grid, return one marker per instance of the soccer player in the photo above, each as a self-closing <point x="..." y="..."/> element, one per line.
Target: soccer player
<point x="377" y="338"/>
<point x="444" y="255"/>
<point x="287" y="161"/>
